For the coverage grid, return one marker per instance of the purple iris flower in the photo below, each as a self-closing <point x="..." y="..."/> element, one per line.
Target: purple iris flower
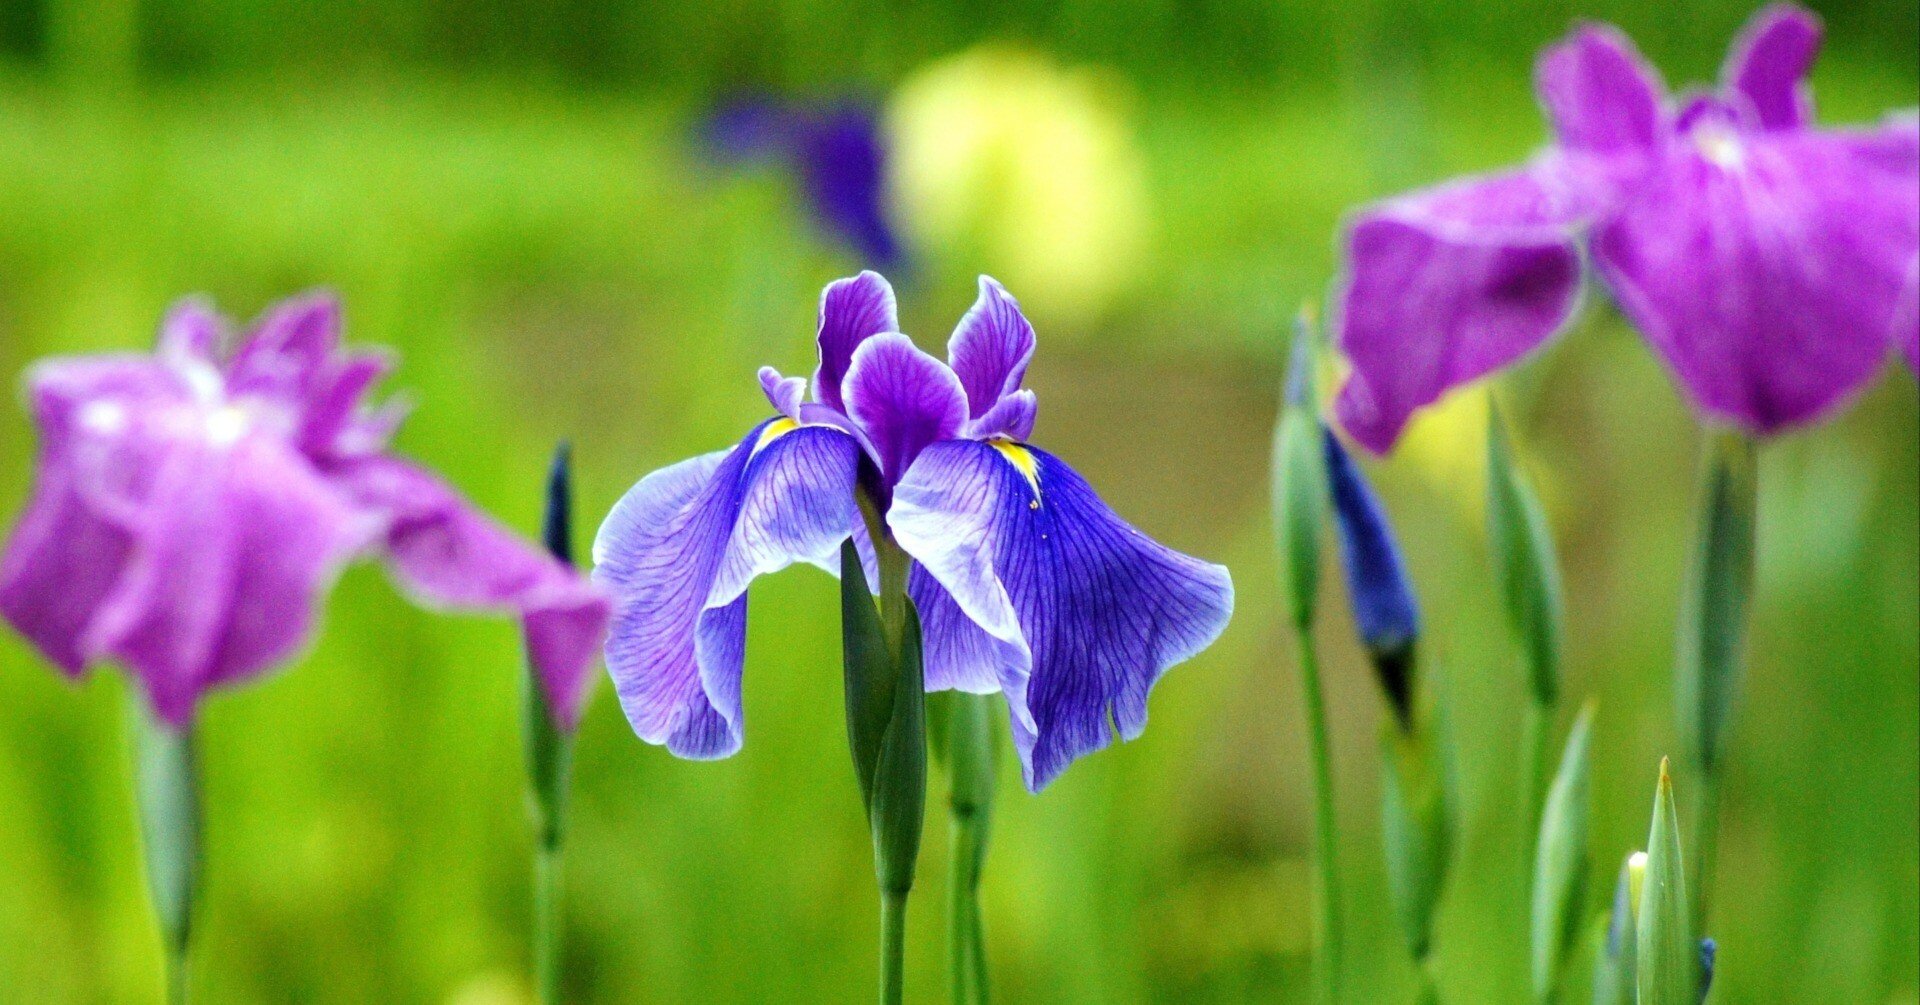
<point x="838" y="153"/>
<point x="192" y="508"/>
<point x="1770" y="265"/>
<point x="1025" y="582"/>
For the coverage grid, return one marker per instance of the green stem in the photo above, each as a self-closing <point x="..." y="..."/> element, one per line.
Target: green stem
<point x="168" y="794"/>
<point x="1326" y="891"/>
<point x="1536" y="732"/>
<point x="1706" y="836"/>
<point x="546" y="923"/>
<point x="971" y="756"/>
<point x="1428" y="992"/>
<point x="893" y="945"/>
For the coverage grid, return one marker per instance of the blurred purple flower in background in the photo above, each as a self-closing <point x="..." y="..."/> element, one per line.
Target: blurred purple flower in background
<point x="192" y="508"/>
<point x="1025" y="582"/>
<point x="836" y="150"/>
<point x="1771" y="265"/>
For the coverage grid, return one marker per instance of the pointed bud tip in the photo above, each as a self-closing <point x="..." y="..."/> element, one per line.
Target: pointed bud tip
<point x="556" y="525"/>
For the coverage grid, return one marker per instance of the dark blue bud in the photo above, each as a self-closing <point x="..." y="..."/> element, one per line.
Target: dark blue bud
<point x="556" y="524"/>
<point x="1708" y="953"/>
<point x="1377" y="585"/>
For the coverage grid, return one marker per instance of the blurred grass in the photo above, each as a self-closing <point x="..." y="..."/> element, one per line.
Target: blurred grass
<point x="552" y="262"/>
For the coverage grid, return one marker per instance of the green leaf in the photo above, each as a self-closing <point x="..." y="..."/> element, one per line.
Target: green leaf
<point x="1300" y="481"/>
<point x="867" y="670"/>
<point x="1524" y="562"/>
<point x="1713" y="606"/>
<point x="1560" y="861"/>
<point x="900" y="770"/>
<point x="1416" y="826"/>
<point x="1615" y="974"/>
<point x="168" y="795"/>
<point x="1668" y="956"/>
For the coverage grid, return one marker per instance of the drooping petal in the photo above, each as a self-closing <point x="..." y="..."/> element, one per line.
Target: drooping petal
<point x="447" y="552"/>
<point x="1084" y="611"/>
<point x="1447" y="285"/>
<point x="851" y="310"/>
<point x="1769" y="270"/>
<point x="677" y="553"/>
<point x="784" y="393"/>
<point x="1768" y="64"/>
<point x="956" y="653"/>
<point x="903" y="398"/>
<point x="60" y="565"/>
<point x="990" y="348"/>
<point x="1012" y="418"/>
<point x="1600" y="93"/>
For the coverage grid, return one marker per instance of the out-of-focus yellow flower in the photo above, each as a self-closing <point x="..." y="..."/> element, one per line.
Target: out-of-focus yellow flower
<point x="1448" y="445"/>
<point x="1013" y="165"/>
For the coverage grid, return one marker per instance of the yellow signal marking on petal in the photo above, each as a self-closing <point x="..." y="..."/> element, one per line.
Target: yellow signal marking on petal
<point x="775" y="429"/>
<point x="1023" y="461"/>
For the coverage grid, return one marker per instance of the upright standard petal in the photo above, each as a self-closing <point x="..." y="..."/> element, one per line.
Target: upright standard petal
<point x="1447" y="285"/>
<point x="904" y="399"/>
<point x="1600" y="93"/>
<point x="1769" y="270"/>
<point x="677" y="553"/>
<point x="1085" y="611"/>
<point x="1769" y="62"/>
<point x="851" y="310"/>
<point x="448" y="552"/>
<point x="990" y="348"/>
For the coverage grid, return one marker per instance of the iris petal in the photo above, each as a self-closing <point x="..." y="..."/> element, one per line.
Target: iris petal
<point x="1084" y="611"/>
<point x="851" y="310"/>
<point x="1447" y="285"/>
<point x="903" y="398"/>
<point x="990" y="347"/>
<point x="1769" y="64"/>
<point x="1600" y="93"/>
<point x="677" y="553"/>
<point x="1771" y="277"/>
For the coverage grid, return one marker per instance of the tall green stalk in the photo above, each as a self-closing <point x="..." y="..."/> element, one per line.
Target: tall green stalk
<point x="886" y="729"/>
<point x="971" y="768"/>
<point x="549" y="757"/>
<point x="1299" y="507"/>
<point x="168" y="794"/>
<point x="1714" y="606"/>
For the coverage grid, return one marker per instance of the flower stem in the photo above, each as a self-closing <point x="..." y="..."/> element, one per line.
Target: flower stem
<point x="1535" y="735"/>
<point x="168" y="793"/>
<point x="971" y="763"/>
<point x="546" y="923"/>
<point x="1326" y="891"/>
<point x="893" y="945"/>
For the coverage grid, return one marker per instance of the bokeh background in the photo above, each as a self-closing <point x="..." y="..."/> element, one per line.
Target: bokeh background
<point x="510" y="194"/>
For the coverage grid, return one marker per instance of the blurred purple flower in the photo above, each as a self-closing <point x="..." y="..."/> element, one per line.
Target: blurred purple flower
<point x="1025" y="582"/>
<point x="1770" y="264"/>
<point x="838" y="153"/>
<point x="192" y="508"/>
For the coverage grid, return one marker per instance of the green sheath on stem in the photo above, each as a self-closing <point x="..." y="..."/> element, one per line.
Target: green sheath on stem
<point x="549" y="757"/>
<point x="971" y="746"/>
<point x="168" y="794"/>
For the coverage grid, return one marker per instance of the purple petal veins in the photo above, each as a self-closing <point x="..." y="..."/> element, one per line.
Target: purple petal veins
<point x="990" y="348"/>
<point x="851" y="310"/>
<point x="904" y="399"/>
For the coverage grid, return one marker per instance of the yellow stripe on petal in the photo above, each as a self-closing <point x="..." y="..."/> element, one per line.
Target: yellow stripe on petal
<point x="775" y="429"/>
<point x="1023" y="460"/>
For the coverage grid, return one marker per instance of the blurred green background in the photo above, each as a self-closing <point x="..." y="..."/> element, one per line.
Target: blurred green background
<point x="507" y="193"/>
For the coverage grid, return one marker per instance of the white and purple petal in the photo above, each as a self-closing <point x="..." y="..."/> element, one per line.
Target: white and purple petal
<point x="904" y="399"/>
<point x="1768" y="65"/>
<point x="677" y="553"/>
<point x="851" y="311"/>
<point x="785" y="394"/>
<point x="1446" y="285"/>
<point x="1769" y="270"/>
<point x="1082" y="613"/>
<point x="990" y="348"/>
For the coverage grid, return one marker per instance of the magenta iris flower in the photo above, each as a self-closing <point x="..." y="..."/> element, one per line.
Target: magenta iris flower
<point x="1771" y="265"/>
<point x="1025" y="582"/>
<point x="192" y="508"/>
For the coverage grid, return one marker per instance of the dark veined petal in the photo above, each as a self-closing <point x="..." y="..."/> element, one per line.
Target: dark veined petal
<point x="903" y="399"/>
<point x="1012" y="418"/>
<point x="1602" y="96"/>
<point x="851" y="310"/>
<point x="1770" y="270"/>
<point x="1084" y="611"/>
<point x="1769" y="63"/>
<point x="956" y="653"/>
<point x="1447" y="285"/>
<point x="447" y="552"/>
<point x="990" y="348"/>
<point x="677" y="553"/>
